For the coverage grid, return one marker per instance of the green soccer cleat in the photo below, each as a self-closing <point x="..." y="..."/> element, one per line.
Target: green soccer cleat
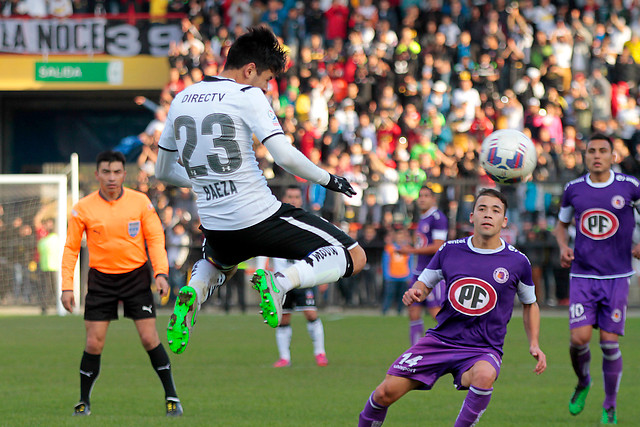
<point x="182" y="319"/>
<point x="270" y="297"/>
<point x="81" y="409"/>
<point x="609" y="416"/>
<point x="576" y="404"/>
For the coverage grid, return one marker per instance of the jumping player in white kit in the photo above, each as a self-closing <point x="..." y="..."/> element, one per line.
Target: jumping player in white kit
<point x="207" y="145"/>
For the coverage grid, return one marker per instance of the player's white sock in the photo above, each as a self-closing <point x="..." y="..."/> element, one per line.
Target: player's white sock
<point x="205" y="278"/>
<point x="324" y="265"/>
<point x="316" y="332"/>
<point x="283" y="340"/>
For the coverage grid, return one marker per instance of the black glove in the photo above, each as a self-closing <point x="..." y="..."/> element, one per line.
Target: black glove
<point x="340" y="185"/>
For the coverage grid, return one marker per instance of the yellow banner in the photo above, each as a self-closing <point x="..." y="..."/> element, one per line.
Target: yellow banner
<point x="64" y="72"/>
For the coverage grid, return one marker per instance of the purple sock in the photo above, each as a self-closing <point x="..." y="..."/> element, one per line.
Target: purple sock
<point x="473" y="406"/>
<point x="611" y="371"/>
<point x="581" y="359"/>
<point x="416" y="330"/>
<point x="373" y="414"/>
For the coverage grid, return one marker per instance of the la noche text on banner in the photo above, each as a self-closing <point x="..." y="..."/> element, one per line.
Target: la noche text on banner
<point x="88" y="36"/>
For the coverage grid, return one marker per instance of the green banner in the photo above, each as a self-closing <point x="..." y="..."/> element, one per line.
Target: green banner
<point x="110" y="72"/>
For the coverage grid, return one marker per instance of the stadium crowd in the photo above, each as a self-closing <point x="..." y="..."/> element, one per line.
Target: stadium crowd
<point x="395" y="95"/>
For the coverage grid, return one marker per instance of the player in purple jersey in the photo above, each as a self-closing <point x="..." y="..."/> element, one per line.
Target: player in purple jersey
<point x="601" y="203"/>
<point x="431" y="232"/>
<point x="482" y="275"/>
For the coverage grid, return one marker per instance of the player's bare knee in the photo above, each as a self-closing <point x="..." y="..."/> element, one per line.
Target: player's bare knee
<point x="94" y="345"/>
<point x="581" y="336"/>
<point x="579" y="341"/>
<point x="384" y="395"/>
<point x="359" y="258"/>
<point x="286" y="320"/>
<point x="483" y="375"/>
<point x="149" y="341"/>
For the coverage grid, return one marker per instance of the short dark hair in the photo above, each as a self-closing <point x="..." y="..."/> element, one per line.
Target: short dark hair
<point x="260" y="46"/>
<point x="599" y="136"/>
<point x="492" y="193"/>
<point x="110" y="156"/>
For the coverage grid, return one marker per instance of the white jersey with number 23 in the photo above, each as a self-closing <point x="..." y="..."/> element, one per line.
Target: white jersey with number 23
<point x="211" y="124"/>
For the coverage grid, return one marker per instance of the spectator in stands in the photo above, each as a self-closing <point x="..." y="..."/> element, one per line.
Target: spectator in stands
<point x="467" y="97"/>
<point x="336" y="21"/>
<point x="396" y="269"/>
<point x="411" y="178"/>
<point x="370" y="211"/>
<point x="368" y="286"/>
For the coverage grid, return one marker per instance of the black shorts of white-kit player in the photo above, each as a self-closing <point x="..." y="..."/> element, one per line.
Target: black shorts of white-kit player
<point x="290" y="233"/>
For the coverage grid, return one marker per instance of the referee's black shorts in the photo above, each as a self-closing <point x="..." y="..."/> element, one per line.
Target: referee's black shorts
<point x="104" y="291"/>
<point x="290" y="233"/>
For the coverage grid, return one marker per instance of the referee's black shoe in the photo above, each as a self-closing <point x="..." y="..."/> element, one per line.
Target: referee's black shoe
<point x="174" y="408"/>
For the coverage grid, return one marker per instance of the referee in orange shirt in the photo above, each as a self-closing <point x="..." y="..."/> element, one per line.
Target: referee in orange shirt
<point x="118" y="222"/>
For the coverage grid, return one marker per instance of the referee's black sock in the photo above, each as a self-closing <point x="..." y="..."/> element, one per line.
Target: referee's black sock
<point x="89" y="370"/>
<point x="161" y="363"/>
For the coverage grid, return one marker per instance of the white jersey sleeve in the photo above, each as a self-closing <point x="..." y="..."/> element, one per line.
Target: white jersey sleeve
<point x="566" y="214"/>
<point x="526" y="293"/>
<point x="260" y="117"/>
<point x="294" y="162"/>
<point x="170" y="171"/>
<point x="431" y="277"/>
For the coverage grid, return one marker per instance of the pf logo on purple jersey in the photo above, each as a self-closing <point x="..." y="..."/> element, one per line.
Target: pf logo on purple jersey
<point x="472" y="296"/>
<point x="598" y="224"/>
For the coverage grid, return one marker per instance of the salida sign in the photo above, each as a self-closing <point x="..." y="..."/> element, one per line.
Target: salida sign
<point x="87" y="36"/>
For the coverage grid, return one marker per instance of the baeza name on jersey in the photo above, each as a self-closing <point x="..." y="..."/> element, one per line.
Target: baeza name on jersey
<point x="219" y="189"/>
<point x="202" y="97"/>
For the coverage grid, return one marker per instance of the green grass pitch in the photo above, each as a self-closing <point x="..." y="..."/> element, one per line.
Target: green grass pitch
<point x="225" y="377"/>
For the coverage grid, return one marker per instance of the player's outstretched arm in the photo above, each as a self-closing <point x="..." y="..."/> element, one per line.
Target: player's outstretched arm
<point x="531" y="319"/>
<point x="416" y="293"/>
<point x="296" y="163"/>
<point x="169" y="170"/>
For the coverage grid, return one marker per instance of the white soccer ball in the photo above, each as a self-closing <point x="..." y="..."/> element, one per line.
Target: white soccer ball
<point x="508" y="156"/>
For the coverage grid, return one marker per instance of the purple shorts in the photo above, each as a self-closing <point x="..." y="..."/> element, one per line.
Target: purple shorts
<point x="601" y="303"/>
<point x="435" y="298"/>
<point x="429" y="359"/>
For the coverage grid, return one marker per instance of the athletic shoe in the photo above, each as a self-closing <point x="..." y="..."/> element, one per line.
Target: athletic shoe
<point x="182" y="319"/>
<point x="609" y="416"/>
<point x="81" y="409"/>
<point x="270" y="297"/>
<point x="174" y="408"/>
<point x="282" y="363"/>
<point x="576" y="404"/>
<point x="321" y="359"/>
